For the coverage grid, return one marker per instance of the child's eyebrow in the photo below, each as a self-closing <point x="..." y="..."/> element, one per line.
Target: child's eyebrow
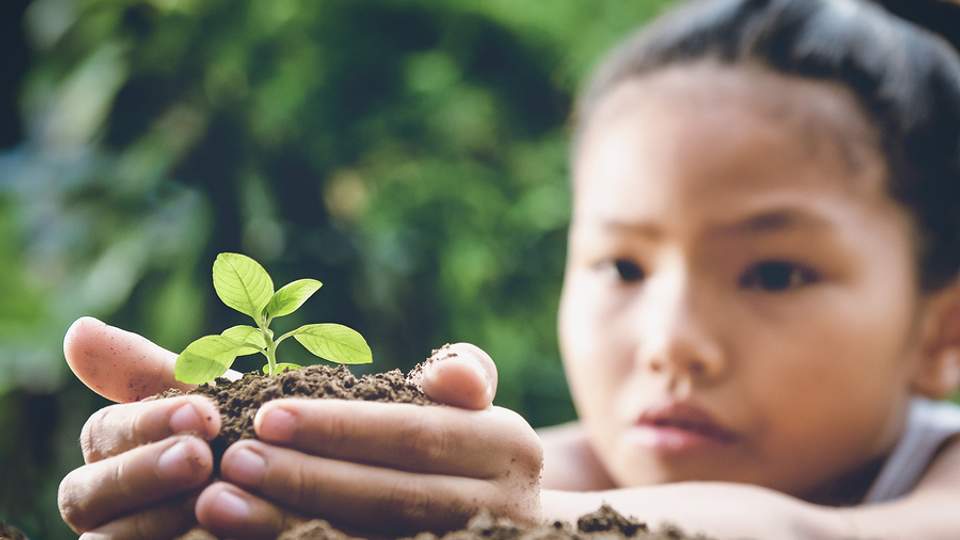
<point x="766" y="221"/>
<point x="649" y="230"/>
<point x="776" y="219"/>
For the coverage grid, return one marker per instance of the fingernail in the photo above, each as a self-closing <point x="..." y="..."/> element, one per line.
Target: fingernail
<point x="478" y="370"/>
<point x="174" y="463"/>
<point x="186" y="419"/>
<point x="245" y="466"/>
<point x="276" y="424"/>
<point x="232" y="505"/>
<point x="471" y="363"/>
<point x="459" y="362"/>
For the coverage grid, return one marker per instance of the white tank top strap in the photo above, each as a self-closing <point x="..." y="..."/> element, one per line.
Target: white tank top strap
<point x="929" y="424"/>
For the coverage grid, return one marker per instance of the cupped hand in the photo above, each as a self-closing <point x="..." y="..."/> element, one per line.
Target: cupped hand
<point x="382" y="467"/>
<point x="144" y="462"/>
<point x="132" y="487"/>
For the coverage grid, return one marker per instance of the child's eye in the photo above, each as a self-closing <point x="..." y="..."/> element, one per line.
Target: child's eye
<point x="626" y="270"/>
<point x="777" y="276"/>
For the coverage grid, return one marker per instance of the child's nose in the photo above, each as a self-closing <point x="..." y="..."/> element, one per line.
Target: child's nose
<point x="681" y="339"/>
<point x="682" y="354"/>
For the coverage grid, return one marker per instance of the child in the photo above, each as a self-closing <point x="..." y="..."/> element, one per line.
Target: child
<point x="761" y="290"/>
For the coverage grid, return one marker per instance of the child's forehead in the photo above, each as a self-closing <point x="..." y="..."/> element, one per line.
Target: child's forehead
<point x="710" y="83"/>
<point x="821" y="118"/>
<point x="722" y="150"/>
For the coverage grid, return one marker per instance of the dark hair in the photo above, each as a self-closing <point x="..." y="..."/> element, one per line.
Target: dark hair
<point x="905" y="78"/>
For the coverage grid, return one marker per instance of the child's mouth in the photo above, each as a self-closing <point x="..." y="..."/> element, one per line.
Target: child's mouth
<point x="679" y="427"/>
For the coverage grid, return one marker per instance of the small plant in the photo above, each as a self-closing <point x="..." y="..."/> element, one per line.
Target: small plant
<point x="242" y="284"/>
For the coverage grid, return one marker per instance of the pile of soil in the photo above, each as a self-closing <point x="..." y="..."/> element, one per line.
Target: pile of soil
<point x="239" y="401"/>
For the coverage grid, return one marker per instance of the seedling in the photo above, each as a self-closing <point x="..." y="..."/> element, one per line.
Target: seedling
<point x="242" y="284"/>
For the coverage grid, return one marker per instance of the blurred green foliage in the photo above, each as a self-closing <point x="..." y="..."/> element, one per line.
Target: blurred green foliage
<point x="410" y="154"/>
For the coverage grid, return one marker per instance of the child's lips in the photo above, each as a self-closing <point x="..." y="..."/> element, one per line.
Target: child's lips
<point x="679" y="426"/>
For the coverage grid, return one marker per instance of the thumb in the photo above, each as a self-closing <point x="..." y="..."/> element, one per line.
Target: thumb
<point x="462" y="375"/>
<point x="119" y="365"/>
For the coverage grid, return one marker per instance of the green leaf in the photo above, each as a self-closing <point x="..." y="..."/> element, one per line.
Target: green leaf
<point x="242" y="283"/>
<point x="334" y="342"/>
<point x="291" y="296"/>
<point x="245" y="334"/>
<point x="208" y="358"/>
<point x="281" y="367"/>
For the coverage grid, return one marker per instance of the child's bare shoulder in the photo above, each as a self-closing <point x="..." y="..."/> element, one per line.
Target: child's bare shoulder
<point x="569" y="462"/>
<point x="944" y="468"/>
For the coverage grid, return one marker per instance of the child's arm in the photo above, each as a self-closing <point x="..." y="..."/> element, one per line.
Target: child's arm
<point x="929" y="511"/>
<point x="736" y="510"/>
<point x="720" y="510"/>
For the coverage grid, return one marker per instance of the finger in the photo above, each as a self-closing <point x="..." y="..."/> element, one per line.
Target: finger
<point x="462" y="375"/>
<point x="119" y="365"/>
<point x="118" y="428"/>
<point x="351" y="493"/>
<point x="230" y="512"/>
<point x="96" y="494"/>
<point x="439" y="440"/>
<point x="164" y="521"/>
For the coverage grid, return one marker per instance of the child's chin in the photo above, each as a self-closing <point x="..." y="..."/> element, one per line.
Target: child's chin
<point x="634" y="467"/>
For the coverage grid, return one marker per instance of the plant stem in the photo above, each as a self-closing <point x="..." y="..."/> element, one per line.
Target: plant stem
<point x="271" y="357"/>
<point x="271" y="349"/>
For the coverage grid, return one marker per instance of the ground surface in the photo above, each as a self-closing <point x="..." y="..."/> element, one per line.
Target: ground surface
<point x="604" y="524"/>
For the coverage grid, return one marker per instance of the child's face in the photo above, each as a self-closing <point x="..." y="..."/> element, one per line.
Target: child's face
<point x="733" y="247"/>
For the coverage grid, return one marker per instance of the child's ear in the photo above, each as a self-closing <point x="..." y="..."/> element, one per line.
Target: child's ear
<point x="939" y="377"/>
<point x="938" y="373"/>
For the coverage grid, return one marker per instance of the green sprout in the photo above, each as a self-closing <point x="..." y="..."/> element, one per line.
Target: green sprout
<point x="242" y="284"/>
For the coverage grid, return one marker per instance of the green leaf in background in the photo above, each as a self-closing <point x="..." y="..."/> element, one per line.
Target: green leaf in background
<point x="291" y="296"/>
<point x="334" y="342"/>
<point x="208" y="358"/>
<point x="245" y="334"/>
<point x="281" y="367"/>
<point x="242" y="283"/>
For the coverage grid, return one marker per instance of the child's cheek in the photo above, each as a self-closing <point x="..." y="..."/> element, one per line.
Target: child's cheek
<point x="594" y="355"/>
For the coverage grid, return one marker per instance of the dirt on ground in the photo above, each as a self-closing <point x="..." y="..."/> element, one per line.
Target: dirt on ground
<point x="604" y="524"/>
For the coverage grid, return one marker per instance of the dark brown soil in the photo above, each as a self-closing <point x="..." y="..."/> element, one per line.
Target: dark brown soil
<point x="239" y="401"/>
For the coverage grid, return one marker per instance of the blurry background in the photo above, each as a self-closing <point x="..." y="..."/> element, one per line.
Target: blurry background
<point x="409" y="154"/>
